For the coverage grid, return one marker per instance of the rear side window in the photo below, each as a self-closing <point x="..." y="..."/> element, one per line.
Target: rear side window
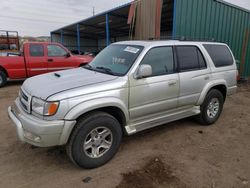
<point x="36" y="50"/>
<point x="190" y="58"/>
<point x="220" y="54"/>
<point x="202" y="61"/>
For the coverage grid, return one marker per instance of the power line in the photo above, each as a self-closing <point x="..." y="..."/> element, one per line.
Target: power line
<point x="47" y="14"/>
<point x="30" y="19"/>
<point x="49" y="8"/>
<point x="55" y="4"/>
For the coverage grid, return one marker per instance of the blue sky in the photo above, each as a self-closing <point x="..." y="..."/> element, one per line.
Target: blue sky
<point x="39" y="17"/>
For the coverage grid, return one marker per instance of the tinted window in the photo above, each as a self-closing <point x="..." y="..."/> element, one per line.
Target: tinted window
<point x="220" y="54"/>
<point x="36" y="50"/>
<point x="161" y="60"/>
<point x="201" y="59"/>
<point x="54" y="50"/>
<point x="190" y="58"/>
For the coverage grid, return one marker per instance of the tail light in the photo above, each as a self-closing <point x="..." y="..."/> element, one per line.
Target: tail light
<point x="237" y="76"/>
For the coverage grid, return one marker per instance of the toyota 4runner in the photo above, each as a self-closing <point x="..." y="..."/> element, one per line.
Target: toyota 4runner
<point x="129" y="87"/>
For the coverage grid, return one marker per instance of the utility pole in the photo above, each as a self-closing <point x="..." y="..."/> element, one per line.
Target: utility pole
<point x="93" y="11"/>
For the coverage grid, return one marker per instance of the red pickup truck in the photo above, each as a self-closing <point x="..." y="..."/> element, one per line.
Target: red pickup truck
<point x="38" y="58"/>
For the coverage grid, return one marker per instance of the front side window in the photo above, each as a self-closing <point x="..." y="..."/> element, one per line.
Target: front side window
<point x="115" y="59"/>
<point x="36" y="50"/>
<point x="161" y="60"/>
<point x="56" y="51"/>
<point x="190" y="58"/>
<point x="220" y="54"/>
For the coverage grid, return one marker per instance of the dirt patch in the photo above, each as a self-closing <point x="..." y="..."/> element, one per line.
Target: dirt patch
<point x="190" y="155"/>
<point x="153" y="174"/>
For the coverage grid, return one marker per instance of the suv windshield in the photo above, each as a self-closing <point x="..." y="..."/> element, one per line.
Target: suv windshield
<point x="115" y="59"/>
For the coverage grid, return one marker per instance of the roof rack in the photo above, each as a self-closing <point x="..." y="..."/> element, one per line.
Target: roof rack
<point x="183" y="38"/>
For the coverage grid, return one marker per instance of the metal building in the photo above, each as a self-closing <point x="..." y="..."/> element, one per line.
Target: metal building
<point x="214" y="20"/>
<point x="95" y="33"/>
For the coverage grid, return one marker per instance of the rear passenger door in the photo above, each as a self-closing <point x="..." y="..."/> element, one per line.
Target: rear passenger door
<point x="36" y="60"/>
<point x="57" y="58"/>
<point x="194" y="74"/>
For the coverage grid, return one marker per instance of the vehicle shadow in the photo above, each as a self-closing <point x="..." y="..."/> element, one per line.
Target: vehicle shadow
<point x="14" y="83"/>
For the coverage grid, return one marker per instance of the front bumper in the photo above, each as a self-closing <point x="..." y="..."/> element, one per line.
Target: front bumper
<point x="35" y="131"/>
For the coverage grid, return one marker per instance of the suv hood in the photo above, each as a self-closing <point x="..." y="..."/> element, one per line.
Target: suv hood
<point x="45" y="85"/>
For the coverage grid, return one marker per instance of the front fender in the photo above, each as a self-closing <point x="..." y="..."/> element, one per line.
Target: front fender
<point x="94" y="104"/>
<point x="208" y="87"/>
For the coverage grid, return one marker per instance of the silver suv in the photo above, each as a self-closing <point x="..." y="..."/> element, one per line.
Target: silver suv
<point x="129" y="87"/>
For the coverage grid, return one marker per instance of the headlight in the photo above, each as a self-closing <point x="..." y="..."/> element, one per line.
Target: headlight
<point x="42" y="107"/>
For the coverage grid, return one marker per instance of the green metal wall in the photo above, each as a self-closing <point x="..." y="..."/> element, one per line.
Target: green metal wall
<point x="211" y="19"/>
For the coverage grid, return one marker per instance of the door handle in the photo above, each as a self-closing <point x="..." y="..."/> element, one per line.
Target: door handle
<point x="172" y="83"/>
<point x="50" y="60"/>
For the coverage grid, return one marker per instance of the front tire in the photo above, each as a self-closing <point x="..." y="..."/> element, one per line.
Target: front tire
<point x="211" y="108"/>
<point x="3" y="79"/>
<point x="95" y="140"/>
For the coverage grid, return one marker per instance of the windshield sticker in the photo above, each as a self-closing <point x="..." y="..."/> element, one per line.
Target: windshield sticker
<point x="116" y="60"/>
<point x="131" y="49"/>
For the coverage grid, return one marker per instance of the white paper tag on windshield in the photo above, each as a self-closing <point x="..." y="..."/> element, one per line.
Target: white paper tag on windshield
<point x="131" y="49"/>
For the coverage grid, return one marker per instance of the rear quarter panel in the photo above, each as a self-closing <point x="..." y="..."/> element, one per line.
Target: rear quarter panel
<point x="227" y="73"/>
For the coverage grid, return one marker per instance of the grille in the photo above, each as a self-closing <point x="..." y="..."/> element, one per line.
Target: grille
<point x="24" y="105"/>
<point x="25" y="97"/>
<point x="25" y="100"/>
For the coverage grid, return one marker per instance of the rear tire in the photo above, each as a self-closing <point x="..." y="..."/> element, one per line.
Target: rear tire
<point x="95" y="140"/>
<point x="211" y="108"/>
<point x="3" y="78"/>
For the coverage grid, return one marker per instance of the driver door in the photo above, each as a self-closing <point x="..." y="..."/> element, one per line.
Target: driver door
<point x="57" y="58"/>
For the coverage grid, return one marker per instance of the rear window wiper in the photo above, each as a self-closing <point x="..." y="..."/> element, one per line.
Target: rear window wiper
<point x="107" y="70"/>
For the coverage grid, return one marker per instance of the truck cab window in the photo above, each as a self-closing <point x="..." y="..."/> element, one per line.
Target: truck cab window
<point x="56" y="51"/>
<point x="36" y="50"/>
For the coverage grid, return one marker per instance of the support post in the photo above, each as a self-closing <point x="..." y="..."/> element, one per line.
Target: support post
<point x="8" y="39"/>
<point x="51" y="39"/>
<point x="78" y="38"/>
<point x="61" y="36"/>
<point x="107" y="30"/>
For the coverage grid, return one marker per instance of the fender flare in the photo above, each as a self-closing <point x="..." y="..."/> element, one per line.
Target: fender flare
<point x="208" y="87"/>
<point x="4" y="70"/>
<point x="95" y="104"/>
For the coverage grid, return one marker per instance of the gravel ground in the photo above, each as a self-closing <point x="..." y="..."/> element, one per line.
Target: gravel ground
<point x="179" y="154"/>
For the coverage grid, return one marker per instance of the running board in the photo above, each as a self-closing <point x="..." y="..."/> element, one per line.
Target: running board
<point x="153" y="122"/>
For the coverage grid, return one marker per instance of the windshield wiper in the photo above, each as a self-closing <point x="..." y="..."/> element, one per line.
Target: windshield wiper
<point x="89" y="67"/>
<point x="107" y="70"/>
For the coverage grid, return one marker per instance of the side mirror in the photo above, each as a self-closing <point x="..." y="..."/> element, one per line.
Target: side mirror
<point x="67" y="55"/>
<point x="144" y="71"/>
